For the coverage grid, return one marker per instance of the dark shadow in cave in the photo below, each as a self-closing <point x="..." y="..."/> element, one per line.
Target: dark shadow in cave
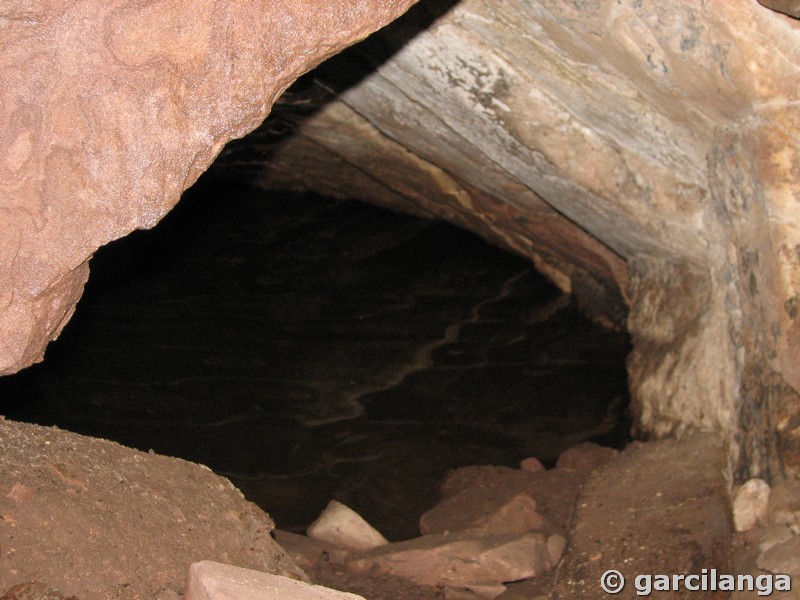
<point x="316" y="89"/>
<point x="313" y="349"/>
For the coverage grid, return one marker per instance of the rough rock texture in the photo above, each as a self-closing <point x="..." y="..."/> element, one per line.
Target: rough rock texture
<point x="94" y="519"/>
<point x="210" y="580"/>
<point x="644" y="155"/>
<point x="640" y="153"/>
<point x="460" y="559"/>
<point x="109" y="110"/>
<point x="677" y="518"/>
<point x="339" y="524"/>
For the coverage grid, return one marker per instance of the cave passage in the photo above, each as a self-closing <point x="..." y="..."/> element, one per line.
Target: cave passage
<point x="312" y="349"/>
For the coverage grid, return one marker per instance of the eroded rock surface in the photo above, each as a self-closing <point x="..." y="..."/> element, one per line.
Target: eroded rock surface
<point x="109" y="110"/>
<point x="641" y="154"/>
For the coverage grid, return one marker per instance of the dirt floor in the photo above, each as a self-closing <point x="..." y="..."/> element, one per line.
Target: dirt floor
<point x="96" y="520"/>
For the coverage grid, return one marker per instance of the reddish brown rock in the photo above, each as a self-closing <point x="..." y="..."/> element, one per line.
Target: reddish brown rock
<point x="94" y="519"/>
<point x="109" y="110"/>
<point x="483" y="511"/>
<point x="638" y="516"/>
<point x="306" y="552"/>
<point x="585" y="457"/>
<point x="460" y="559"/>
<point x="216" y="581"/>
<point x="782" y="558"/>
<point x="784" y="504"/>
<point x="554" y="491"/>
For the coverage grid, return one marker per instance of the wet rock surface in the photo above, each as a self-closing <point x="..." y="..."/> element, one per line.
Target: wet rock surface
<point x="315" y="350"/>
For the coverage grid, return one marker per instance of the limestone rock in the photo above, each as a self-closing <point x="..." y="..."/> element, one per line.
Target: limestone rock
<point x="641" y="154"/>
<point x="459" y="559"/>
<point x="216" y="581"/>
<point x="340" y="525"/>
<point x="750" y="505"/>
<point x="485" y="511"/>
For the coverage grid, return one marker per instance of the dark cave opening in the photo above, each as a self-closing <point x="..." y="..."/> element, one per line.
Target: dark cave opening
<point x="313" y="349"/>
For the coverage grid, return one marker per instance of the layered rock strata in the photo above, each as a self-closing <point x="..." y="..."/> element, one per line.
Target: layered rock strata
<point x="643" y="155"/>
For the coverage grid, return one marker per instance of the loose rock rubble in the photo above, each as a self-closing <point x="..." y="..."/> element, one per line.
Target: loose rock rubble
<point x="493" y="525"/>
<point x="341" y="525"/>
<point x="768" y="523"/>
<point x="498" y="533"/>
<point x="216" y="581"/>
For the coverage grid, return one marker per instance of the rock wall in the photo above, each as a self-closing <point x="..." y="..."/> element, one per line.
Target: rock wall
<point x="643" y="154"/>
<point x="109" y="110"/>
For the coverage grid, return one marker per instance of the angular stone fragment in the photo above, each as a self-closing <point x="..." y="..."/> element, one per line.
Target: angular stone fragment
<point x="784" y="504"/>
<point x="210" y="580"/>
<point x="554" y="491"/>
<point x="775" y="534"/>
<point x="341" y="525"/>
<point x="460" y="559"/>
<point x="474" y="592"/>
<point x="782" y="559"/>
<point x="750" y="505"/>
<point x="555" y="547"/>
<point x="305" y="551"/>
<point x="637" y="517"/>
<point x="585" y="457"/>
<point x="483" y="510"/>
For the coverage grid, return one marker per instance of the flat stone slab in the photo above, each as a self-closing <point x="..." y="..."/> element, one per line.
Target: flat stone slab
<point x="658" y="508"/>
<point x="460" y="559"/>
<point x="483" y="510"/>
<point x="210" y="580"/>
